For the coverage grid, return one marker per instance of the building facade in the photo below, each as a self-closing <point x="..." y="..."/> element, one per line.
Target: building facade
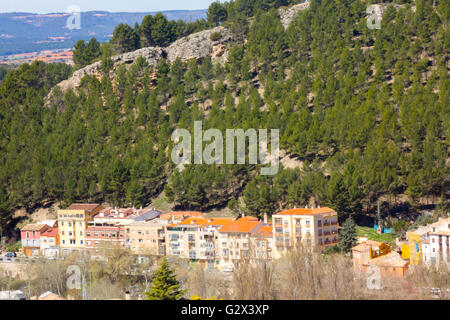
<point x="31" y="238"/>
<point x="194" y="239"/>
<point x="233" y="243"/>
<point x="312" y="227"/>
<point x="147" y="237"/>
<point x="430" y="244"/>
<point x="72" y="223"/>
<point x="50" y="242"/>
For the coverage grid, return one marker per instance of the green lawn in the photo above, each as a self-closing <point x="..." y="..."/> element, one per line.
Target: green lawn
<point x="373" y="235"/>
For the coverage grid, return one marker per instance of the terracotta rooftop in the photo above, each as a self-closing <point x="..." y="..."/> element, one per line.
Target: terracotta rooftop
<point x="391" y="259"/>
<point x="263" y="231"/>
<point x="306" y="211"/>
<point x="34" y="227"/>
<point x="50" y="232"/>
<point x="83" y="206"/>
<point x="364" y="246"/>
<point x="242" y="225"/>
<point x="202" y="222"/>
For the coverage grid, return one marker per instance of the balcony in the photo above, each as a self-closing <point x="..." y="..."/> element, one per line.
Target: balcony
<point x="327" y="223"/>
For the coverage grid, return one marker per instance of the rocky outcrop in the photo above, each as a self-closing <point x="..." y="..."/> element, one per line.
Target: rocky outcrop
<point x="199" y="45"/>
<point x="151" y="54"/>
<point x="288" y="14"/>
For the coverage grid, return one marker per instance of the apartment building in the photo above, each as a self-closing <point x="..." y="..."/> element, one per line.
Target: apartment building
<point x="147" y="237"/>
<point x="430" y="244"/>
<point x="72" y="223"/>
<point x="194" y="238"/>
<point x="261" y="242"/>
<point x="310" y="226"/>
<point x="234" y="242"/>
<point x="107" y="228"/>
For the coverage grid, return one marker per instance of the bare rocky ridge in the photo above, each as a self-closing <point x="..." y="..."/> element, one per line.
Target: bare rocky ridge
<point x="199" y="45"/>
<point x="288" y="14"/>
<point x="195" y="46"/>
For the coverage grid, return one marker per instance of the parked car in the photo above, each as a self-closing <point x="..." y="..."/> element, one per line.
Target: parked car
<point x="11" y="255"/>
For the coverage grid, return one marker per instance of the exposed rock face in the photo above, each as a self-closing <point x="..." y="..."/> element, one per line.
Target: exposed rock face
<point x="199" y="45"/>
<point x="152" y="55"/>
<point x="288" y="14"/>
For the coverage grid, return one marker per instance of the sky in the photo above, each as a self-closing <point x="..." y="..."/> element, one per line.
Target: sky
<point x="48" y="6"/>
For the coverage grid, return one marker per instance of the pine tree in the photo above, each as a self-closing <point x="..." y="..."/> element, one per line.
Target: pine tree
<point x="347" y="236"/>
<point x="165" y="285"/>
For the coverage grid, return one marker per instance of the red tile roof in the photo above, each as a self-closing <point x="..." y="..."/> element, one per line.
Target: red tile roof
<point x="50" y="232"/>
<point x="242" y="225"/>
<point x="202" y="222"/>
<point x="264" y="231"/>
<point x="306" y="211"/>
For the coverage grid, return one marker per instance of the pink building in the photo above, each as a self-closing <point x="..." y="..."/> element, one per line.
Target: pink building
<point x="31" y="236"/>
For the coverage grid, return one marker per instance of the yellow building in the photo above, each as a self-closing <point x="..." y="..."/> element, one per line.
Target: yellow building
<point x="72" y="223"/>
<point x="418" y="236"/>
<point x="310" y="226"/>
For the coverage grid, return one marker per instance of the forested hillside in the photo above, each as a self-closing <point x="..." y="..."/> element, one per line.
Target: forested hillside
<point x="365" y="111"/>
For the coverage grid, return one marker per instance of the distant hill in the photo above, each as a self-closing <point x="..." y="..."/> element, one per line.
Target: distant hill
<point x="27" y="32"/>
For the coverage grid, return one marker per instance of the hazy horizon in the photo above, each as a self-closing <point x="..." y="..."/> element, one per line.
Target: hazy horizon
<point x="131" y="6"/>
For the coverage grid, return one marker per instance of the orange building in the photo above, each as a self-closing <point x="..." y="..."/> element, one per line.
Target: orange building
<point x="366" y="251"/>
<point x="391" y="265"/>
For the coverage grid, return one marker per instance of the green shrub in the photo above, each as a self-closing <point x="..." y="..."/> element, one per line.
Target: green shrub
<point x="215" y="36"/>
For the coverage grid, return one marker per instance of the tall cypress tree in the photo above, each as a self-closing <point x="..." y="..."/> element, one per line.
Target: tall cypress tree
<point x="165" y="285"/>
<point x="347" y="236"/>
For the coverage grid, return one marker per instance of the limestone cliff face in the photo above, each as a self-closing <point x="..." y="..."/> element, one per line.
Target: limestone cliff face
<point x="288" y="14"/>
<point x="199" y="45"/>
<point x="195" y="46"/>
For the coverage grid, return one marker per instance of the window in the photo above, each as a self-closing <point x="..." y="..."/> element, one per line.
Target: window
<point x="81" y="241"/>
<point x="64" y="241"/>
<point x="81" y="233"/>
<point x="62" y="223"/>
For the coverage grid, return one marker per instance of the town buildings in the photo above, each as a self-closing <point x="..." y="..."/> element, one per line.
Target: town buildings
<point x="366" y="251"/>
<point x="317" y="227"/>
<point x="430" y="244"/>
<point x="50" y="242"/>
<point x="234" y="240"/>
<point x="147" y="237"/>
<point x="31" y="238"/>
<point x="261" y="242"/>
<point x="107" y="228"/>
<point x="194" y="238"/>
<point x="212" y="242"/>
<point x="72" y="223"/>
